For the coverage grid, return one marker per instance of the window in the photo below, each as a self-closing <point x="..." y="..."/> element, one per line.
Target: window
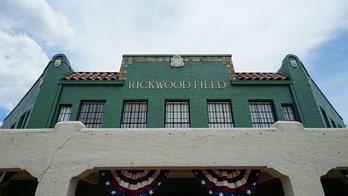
<point x="326" y="120"/>
<point x="134" y="115"/>
<point x="219" y="114"/>
<point x="20" y="123"/>
<point x="333" y="124"/>
<point x="23" y="120"/>
<point x="64" y="113"/>
<point x="261" y="113"/>
<point x="177" y="114"/>
<point x="288" y="112"/>
<point x="91" y="114"/>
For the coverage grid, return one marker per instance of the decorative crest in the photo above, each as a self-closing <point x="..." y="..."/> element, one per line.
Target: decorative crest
<point x="293" y="63"/>
<point x="57" y="62"/>
<point x="177" y="61"/>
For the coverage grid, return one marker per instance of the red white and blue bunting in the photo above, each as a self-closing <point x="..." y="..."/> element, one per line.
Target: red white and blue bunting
<point x="133" y="182"/>
<point x="5" y="177"/>
<point x="228" y="182"/>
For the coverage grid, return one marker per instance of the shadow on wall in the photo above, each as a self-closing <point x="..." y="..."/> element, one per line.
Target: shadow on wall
<point x="335" y="182"/>
<point x="17" y="182"/>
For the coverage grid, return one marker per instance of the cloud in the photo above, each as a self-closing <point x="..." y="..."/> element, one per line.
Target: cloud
<point x="106" y="30"/>
<point x="28" y="31"/>
<point x="258" y="35"/>
<point x="94" y="35"/>
<point x="38" y="20"/>
<point x="22" y="61"/>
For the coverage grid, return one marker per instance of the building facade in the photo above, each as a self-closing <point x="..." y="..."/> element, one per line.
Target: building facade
<point x="155" y="83"/>
<point x="198" y="102"/>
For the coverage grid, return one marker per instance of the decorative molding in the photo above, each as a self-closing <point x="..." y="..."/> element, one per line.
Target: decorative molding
<point x="128" y="60"/>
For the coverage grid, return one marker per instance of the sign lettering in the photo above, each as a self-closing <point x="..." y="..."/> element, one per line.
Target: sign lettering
<point x="184" y="84"/>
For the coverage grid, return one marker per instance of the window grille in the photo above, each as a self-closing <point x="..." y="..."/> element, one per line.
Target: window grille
<point x="134" y="115"/>
<point x="219" y="114"/>
<point x="91" y="114"/>
<point x="261" y="114"/>
<point x="64" y="113"/>
<point x="177" y="114"/>
<point x="288" y="112"/>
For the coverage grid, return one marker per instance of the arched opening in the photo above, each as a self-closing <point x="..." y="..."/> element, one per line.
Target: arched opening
<point x="335" y="182"/>
<point x="17" y="182"/>
<point x="269" y="185"/>
<point x="179" y="182"/>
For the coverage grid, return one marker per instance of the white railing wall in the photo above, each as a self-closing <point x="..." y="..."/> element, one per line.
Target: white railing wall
<point x="59" y="157"/>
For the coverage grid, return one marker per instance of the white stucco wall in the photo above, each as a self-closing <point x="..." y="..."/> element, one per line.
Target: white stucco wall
<point x="57" y="157"/>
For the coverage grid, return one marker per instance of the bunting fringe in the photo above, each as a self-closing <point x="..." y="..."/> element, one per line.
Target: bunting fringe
<point x="146" y="182"/>
<point x="228" y="182"/>
<point x="132" y="182"/>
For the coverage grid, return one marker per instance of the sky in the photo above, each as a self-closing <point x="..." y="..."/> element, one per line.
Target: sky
<point x="95" y="34"/>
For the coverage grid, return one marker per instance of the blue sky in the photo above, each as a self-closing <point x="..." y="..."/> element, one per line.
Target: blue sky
<point x="94" y="36"/>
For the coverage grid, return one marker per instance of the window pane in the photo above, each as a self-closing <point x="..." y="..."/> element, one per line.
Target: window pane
<point x="64" y="113"/>
<point x="92" y="113"/>
<point x="261" y="114"/>
<point x="219" y="114"/>
<point x="134" y="115"/>
<point x="177" y="114"/>
<point x="288" y="113"/>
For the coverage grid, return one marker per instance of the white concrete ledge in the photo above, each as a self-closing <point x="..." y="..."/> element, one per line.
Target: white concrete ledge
<point x="57" y="157"/>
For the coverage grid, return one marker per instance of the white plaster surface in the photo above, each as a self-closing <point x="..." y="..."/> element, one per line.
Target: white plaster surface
<point x="59" y="157"/>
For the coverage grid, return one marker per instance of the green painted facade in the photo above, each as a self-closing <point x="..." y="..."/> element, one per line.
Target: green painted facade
<point x="150" y="78"/>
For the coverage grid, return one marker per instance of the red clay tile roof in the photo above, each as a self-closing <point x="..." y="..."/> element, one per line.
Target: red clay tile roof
<point x="114" y="76"/>
<point x="92" y="76"/>
<point x="259" y="76"/>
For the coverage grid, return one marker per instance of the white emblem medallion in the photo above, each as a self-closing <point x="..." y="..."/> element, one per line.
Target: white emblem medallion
<point x="177" y="61"/>
<point x="57" y="62"/>
<point x="293" y="63"/>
